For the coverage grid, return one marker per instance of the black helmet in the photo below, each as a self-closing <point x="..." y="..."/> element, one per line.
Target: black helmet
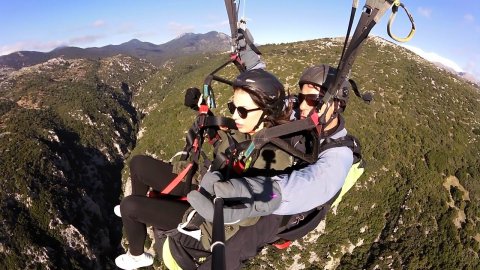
<point x="263" y="84"/>
<point x="323" y="76"/>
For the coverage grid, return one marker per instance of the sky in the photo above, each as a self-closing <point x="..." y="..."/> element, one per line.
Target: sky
<point x="448" y="31"/>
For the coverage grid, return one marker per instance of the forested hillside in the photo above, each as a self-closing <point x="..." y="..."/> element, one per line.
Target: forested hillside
<point x="65" y="130"/>
<point x="69" y="128"/>
<point x="417" y="205"/>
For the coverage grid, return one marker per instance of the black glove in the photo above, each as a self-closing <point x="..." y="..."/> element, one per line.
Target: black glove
<point x="192" y="95"/>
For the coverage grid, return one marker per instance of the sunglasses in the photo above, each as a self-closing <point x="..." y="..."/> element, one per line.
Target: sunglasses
<point x="242" y="112"/>
<point x="311" y="99"/>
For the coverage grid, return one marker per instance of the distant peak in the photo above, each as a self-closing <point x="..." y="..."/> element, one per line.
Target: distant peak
<point x="60" y="47"/>
<point x="135" y="41"/>
<point x="184" y="35"/>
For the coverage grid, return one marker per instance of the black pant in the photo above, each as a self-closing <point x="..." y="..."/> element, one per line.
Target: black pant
<point x="138" y="210"/>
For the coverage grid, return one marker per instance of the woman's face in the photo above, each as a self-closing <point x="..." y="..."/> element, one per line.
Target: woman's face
<point x="246" y="125"/>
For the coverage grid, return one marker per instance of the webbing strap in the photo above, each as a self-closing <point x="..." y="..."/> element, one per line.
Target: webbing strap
<point x="365" y="24"/>
<point x="367" y="97"/>
<point x="348" y="141"/>
<point x="285" y="146"/>
<point x="232" y="13"/>
<point x="264" y="136"/>
<point x="272" y="134"/>
<point x="202" y="122"/>
<point x="373" y="11"/>
<point x="350" y="23"/>
<point x="219" y="121"/>
<point x="208" y="92"/>
<point x="283" y="244"/>
<point x="177" y="179"/>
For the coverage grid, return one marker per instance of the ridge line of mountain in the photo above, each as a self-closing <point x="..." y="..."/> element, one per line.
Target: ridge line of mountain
<point x="156" y="54"/>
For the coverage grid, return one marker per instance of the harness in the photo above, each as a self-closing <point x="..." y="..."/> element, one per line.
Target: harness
<point x="205" y="127"/>
<point x="296" y="226"/>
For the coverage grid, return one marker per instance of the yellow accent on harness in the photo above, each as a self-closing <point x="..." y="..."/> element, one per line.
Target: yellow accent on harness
<point x="168" y="259"/>
<point x="395" y="6"/>
<point x="353" y="174"/>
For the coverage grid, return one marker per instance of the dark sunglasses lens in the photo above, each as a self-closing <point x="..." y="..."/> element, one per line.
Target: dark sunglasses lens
<point x="231" y="107"/>
<point x="311" y="99"/>
<point x="242" y="112"/>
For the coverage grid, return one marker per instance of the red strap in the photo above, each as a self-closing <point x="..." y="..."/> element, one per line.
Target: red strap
<point x="203" y="109"/>
<point x="283" y="245"/>
<point x="234" y="57"/>
<point x="214" y="140"/>
<point x="314" y="117"/>
<point x="195" y="145"/>
<point x="177" y="180"/>
<point x="238" y="167"/>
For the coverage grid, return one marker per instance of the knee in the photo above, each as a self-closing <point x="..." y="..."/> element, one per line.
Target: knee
<point x="137" y="161"/>
<point x="129" y="205"/>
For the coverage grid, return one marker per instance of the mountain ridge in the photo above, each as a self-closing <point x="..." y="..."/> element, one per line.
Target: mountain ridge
<point x="190" y="43"/>
<point x="75" y="124"/>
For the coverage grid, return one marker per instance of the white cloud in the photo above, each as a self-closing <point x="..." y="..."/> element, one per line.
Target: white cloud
<point x="425" y="12"/>
<point x="30" y="45"/>
<point x="178" y="28"/>
<point x="99" y="23"/>
<point x="85" y="39"/>
<point x="10" y="48"/>
<point x="41" y="46"/>
<point x="433" y="57"/>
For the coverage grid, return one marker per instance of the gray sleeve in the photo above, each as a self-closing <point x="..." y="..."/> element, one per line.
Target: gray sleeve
<point x="250" y="59"/>
<point x="244" y="198"/>
<point x="258" y="196"/>
<point x="315" y="184"/>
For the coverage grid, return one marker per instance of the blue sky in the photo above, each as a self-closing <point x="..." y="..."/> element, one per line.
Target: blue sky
<point x="447" y="30"/>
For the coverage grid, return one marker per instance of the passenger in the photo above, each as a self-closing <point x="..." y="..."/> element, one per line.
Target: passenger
<point x="302" y="191"/>
<point x="258" y="102"/>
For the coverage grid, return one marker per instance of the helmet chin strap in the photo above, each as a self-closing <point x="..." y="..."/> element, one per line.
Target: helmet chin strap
<point x="260" y="121"/>
<point x="322" y="118"/>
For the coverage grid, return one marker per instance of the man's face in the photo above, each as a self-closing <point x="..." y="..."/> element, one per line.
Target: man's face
<point x="310" y="99"/>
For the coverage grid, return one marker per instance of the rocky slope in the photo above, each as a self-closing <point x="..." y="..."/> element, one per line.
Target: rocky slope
<point x="65" y="128"/>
